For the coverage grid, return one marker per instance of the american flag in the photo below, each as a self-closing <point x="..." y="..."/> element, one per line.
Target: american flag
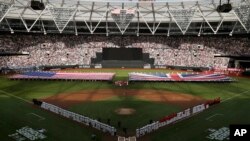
<point x="64" y="76"/>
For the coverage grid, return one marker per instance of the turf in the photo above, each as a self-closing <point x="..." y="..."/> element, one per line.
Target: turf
<point x="145" y="111"/>
<point x="13" y="111"/>
<point x="195" y="129"/>
<point x="16" y="114"/>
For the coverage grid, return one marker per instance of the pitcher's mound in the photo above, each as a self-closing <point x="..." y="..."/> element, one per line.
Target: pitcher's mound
<point x="125" y="111"/>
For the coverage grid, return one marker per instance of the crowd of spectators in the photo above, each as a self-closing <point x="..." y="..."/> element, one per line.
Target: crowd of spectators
<point x="78" y="50"/>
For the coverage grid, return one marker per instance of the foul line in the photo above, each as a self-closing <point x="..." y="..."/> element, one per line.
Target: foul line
<point x="214" y="116"/>
<point x="40" y="117"/>
<point x="11" y="95"/>
<point x="239" y="94"/>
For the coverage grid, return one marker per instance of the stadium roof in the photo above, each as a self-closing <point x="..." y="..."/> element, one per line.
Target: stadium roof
<point x="168" y="17"/>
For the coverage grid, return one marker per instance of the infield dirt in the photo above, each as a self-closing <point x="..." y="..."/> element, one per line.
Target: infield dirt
<point x="69" y="99"/>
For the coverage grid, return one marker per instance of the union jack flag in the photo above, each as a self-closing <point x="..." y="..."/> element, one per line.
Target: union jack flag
<point x="179" y="77"/>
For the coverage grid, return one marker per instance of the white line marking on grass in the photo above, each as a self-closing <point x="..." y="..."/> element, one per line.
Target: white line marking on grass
<point x="11" y="95"/>
<point x="230" y="98"/>
<point x="40" y="117"/>
<point x="208" y="118"/>
<point x="239" y="94"/>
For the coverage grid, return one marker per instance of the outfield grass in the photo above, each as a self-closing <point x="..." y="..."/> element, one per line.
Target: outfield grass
<point x="14" y="112"/>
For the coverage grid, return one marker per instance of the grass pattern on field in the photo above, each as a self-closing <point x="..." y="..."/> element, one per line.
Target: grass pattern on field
<point x="145" y="111"/>
<point x="13" y="111"/>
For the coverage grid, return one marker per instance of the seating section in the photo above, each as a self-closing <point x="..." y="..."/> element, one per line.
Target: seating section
<point x="56" y="50"/>
<point x="65" y="76"/>
<point x="180" y="77"/>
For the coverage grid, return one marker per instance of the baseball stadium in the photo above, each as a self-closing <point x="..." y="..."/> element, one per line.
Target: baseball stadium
<point x="124" y="70"/>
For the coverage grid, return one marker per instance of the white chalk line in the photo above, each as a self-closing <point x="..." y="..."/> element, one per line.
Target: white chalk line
<point x="36" y="115"/>
<point x="214" y="116"/>
<point x="239" y="94"/>
<point x="11" y="95"/>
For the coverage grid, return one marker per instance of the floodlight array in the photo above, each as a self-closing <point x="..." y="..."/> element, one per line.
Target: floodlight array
<point x="4" y="8"/>
<point x="61" y="16"/>
<point x="122" y="17"/>
<point x="183" y="17"/>
<point x="243" y="13"/>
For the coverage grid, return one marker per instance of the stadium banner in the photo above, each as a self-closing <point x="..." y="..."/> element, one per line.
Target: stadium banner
<point x="79" y="118"/>
<point x="175" y="117"/>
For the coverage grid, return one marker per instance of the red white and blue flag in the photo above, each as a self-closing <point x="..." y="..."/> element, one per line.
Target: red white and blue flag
<point x="149" y="77"/>
<point x="65" y="76"/>
<point x="179" y="77"/>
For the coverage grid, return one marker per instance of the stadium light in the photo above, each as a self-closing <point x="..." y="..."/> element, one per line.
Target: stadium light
<point x="231" y="34"/>
<point x="224" y="8"/>
<point x="61" y="16"/>
<point x="243" y="14"/>
<point x="11" y="31"/>
<point x="37" y="5"/>
<point x="122" y="18"/>
<point x="183" y="18"/>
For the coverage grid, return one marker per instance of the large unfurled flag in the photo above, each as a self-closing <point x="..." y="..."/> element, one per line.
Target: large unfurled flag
<point x="179" y="77"/>
<point x="64" y="76"/>
<point x="149" y="77"/>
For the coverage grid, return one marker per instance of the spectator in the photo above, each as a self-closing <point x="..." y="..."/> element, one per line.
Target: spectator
<point x="78" y="50"/>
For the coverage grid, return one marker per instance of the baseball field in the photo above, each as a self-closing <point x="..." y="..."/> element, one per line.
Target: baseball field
<point x="133" y="106"/>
